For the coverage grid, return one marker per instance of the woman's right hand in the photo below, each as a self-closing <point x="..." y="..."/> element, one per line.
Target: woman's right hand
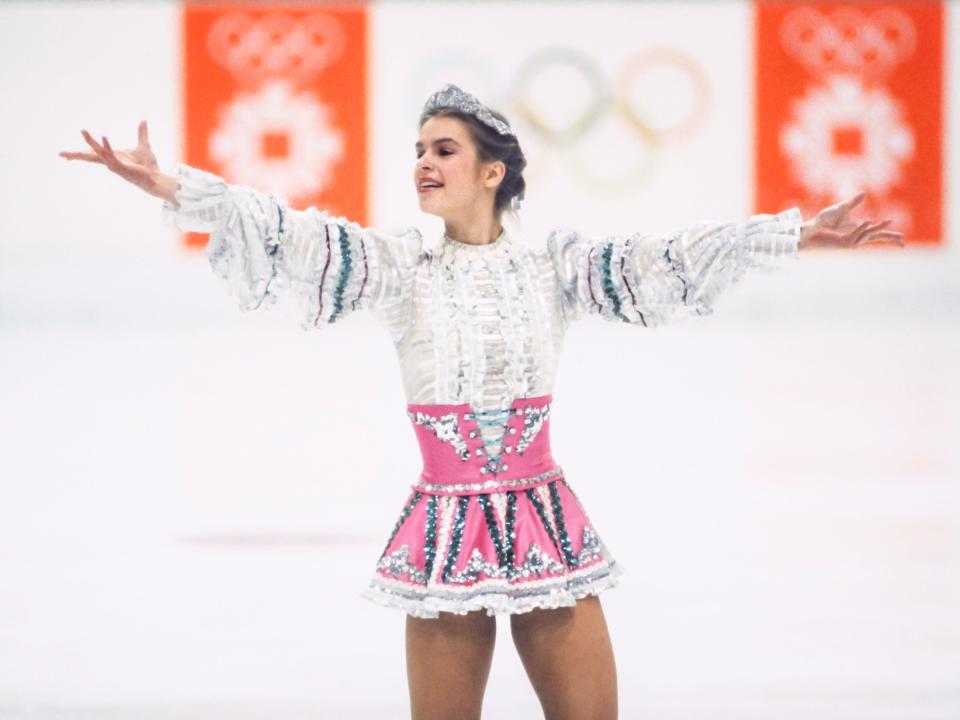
<point x="137" y="165"/>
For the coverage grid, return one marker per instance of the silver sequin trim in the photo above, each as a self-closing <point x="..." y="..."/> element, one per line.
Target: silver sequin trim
<point x="487" y="484"/>
<point x="532" y="424"/>
<point x="446" y="428"/>
<point x="591" y="546"/>
<point x="535" y="563"/>
<point x="398" y="563"/>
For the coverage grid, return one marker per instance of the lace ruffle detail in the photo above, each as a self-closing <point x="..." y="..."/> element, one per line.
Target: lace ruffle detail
<point x="202" y="199"/>
<point x="653" y="281"/>
<point x="494" y="598"/>
<point x="263" y="249"/>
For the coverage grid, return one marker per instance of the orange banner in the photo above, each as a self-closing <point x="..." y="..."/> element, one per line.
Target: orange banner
<point x="275" y="98"/>
<point x="849" y="98"/>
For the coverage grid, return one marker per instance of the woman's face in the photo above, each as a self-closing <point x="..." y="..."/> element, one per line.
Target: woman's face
<point x="447" y="176"/>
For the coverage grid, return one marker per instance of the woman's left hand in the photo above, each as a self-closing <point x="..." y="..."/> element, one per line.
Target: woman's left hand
<point x="834" y="228"/>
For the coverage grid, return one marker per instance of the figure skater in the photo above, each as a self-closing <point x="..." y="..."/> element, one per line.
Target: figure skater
<point x="491" y="526"/>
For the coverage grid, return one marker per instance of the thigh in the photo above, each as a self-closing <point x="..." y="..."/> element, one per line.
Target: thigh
<point x="448" y="663"/>
<point x="568" y="656"/>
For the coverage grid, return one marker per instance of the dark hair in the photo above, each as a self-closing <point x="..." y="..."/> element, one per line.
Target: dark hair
<point x="491" y="146"/>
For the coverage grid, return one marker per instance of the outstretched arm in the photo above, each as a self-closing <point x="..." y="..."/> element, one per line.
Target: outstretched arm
<point x="655" y="280"/>
<point x="652" y="281"/>
<point x="261" y="247"/>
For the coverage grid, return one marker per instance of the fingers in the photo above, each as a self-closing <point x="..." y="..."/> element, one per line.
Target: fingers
<point x="103" y="154"/>
<point x="873" y="228"/>
<point x="889" y="235"/>
<point x="867" y="229"/>
<point x="876" y="232"/>
<point x="109" y="157"/>
<point x="855" y="200"/>
<point x="95" y="157"/>
<point x="89" y="157"/>
<point x="92" y="143"/>
<point x="858" y="232"/>
<point x="142" y="138"/>
<point x="883" y="236"/>
<point x="105" y="151"/>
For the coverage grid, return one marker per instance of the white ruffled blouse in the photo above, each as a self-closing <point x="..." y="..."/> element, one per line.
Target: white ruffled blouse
<point x="477" y="324"/>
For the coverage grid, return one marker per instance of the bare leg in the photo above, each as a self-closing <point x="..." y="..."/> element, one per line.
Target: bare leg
<point x="448" y="663"/>
<point x="569" y="658"/>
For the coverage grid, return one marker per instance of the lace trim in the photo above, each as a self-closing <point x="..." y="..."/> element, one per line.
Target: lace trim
<point x="495" y="599"/>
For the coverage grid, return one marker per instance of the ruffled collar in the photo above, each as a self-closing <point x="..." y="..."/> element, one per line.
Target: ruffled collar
<point x="457" y="252"/>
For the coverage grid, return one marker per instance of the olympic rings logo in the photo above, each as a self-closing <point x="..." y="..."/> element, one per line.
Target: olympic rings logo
<point x="602" y="100"/>
<point x="849" y="39"/>
<point x="276" y="44"/>
<point x="562" y="104"/>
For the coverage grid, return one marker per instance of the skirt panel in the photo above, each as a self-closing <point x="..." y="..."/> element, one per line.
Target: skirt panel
<point x="491" y="523"/>
<point x="502" y="552"/>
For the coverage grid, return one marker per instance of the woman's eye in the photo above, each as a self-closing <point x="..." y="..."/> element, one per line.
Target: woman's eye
<point x="442" y="152"/>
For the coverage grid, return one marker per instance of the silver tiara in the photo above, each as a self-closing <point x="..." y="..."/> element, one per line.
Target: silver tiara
<point x="453" y="97"/>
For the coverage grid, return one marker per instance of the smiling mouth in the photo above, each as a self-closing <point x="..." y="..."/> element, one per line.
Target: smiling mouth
<point x="428" y="187"/>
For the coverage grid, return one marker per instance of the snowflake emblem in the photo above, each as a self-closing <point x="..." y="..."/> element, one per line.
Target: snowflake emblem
<point x="846" y="138"/>
<point x="277" y="139"/>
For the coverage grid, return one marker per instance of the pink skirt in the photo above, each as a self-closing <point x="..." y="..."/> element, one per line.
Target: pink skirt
<point x="491" y="523"/>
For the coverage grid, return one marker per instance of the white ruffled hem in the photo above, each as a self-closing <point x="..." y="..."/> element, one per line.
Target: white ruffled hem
<point x="495" y="603"/>
<point x="201" y="201"/>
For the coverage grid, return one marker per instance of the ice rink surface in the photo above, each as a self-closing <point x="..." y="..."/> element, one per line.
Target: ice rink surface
<point x="193" y="498"/>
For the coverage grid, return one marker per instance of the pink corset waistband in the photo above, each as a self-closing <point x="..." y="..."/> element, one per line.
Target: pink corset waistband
<point x="466" y="452"/>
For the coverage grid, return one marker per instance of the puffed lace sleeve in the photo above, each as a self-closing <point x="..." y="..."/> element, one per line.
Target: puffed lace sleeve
<point x="656" y="280"/>
<point x="263" y="249"/>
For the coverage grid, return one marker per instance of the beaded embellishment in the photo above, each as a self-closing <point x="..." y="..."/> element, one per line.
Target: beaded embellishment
<point x="451" y="96"/>
<point x="533" y="420"/>
<point x="541" y="566"/>
<point x="398" y="563"/>
<point x="446" y="428"/>
<point x="492" y="428"/>
<point x="488" y="484"/>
